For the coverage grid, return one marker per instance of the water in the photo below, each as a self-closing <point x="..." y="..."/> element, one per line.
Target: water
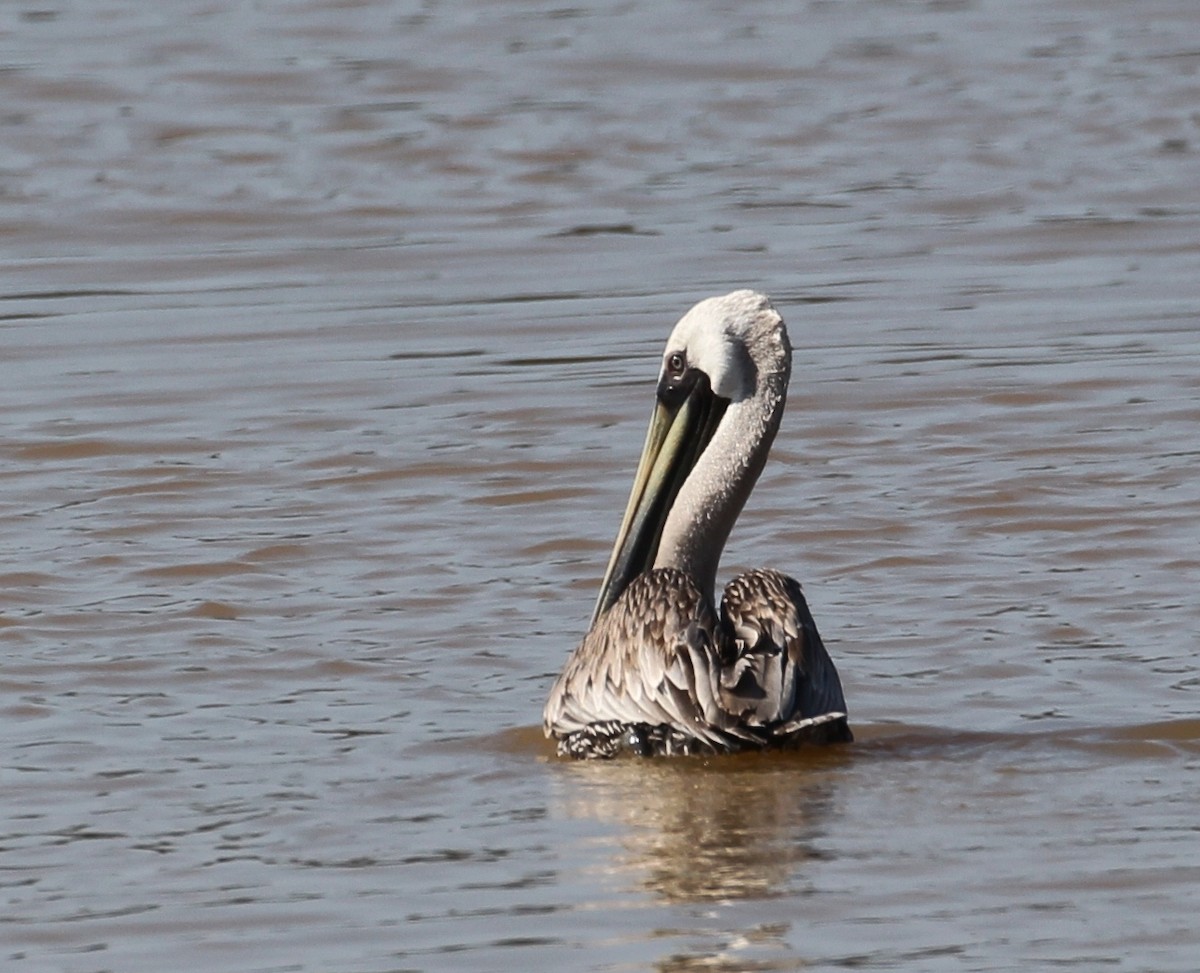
<point x="329" y="333"/>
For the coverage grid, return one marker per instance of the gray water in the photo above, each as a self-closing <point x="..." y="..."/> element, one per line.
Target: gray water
<point x="328" y="336"/>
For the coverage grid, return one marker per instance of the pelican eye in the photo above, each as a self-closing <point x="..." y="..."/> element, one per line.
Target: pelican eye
<point x="678" y="379"/>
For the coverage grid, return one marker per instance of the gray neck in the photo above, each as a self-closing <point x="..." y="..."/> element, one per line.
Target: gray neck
<point x="714" y="493"/>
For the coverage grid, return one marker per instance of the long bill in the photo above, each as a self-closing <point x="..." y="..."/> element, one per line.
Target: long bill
<point x="681" y="427"/>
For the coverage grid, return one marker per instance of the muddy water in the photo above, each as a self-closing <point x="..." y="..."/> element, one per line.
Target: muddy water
<point x="328" y="333"/>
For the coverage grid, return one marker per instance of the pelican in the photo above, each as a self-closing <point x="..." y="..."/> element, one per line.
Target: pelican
<point x="661" y="671"/>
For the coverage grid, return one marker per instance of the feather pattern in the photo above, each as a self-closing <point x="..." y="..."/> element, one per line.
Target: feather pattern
<point x="662" y="673"/>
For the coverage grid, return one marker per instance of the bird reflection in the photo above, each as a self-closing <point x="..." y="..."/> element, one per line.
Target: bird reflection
<point x="723" y="828"/>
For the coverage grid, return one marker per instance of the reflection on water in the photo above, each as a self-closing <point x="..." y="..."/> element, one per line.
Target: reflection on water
<point x="711" y="829"/>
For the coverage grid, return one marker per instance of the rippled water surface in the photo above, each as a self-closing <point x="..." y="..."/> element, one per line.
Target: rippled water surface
<point x="328" y="333"/>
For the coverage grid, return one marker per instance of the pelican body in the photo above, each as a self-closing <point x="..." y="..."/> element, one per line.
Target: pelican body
<point x="662" y="670"/>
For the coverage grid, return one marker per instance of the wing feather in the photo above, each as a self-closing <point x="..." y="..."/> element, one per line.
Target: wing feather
<point x="623" y="667"/>
<point x="783" y="678"/>
<point x="660" y="665"/>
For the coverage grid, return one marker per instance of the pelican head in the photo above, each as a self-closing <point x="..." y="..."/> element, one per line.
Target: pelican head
<point x="721" y="393"/>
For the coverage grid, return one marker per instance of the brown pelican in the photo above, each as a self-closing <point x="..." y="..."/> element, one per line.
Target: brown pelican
<point x="661" y="671"/>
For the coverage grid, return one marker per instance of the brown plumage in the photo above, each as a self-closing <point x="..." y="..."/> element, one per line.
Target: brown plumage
<point x="661" y="671"/>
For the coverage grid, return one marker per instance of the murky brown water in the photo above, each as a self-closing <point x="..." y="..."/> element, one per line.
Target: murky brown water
<point x="328" y="333"/>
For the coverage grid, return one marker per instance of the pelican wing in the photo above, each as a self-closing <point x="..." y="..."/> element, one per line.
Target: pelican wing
<point x="779" y="675"/>
<point x="649" y="661"/>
